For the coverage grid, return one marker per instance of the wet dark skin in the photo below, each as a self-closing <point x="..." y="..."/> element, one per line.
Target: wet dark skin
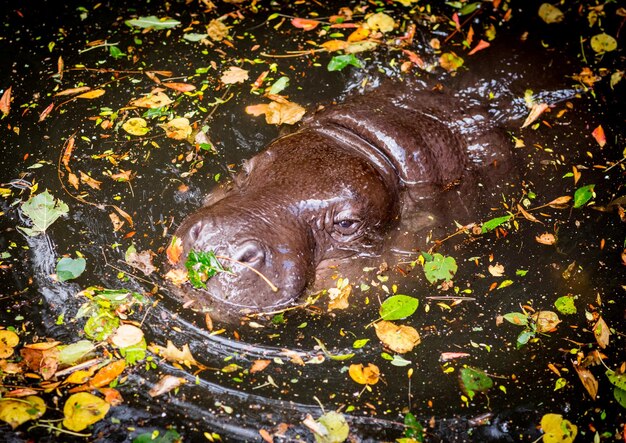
<point x="330" y="190"/>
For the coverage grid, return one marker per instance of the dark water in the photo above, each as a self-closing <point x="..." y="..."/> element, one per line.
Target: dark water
<point x="236" y="405"/>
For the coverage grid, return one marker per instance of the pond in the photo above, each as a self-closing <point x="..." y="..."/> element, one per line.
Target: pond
<point x="270" y="377"/>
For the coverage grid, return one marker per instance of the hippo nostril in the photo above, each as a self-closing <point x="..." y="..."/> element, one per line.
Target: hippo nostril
<point x="250" y="252"/>
<point x="194" y="232"/>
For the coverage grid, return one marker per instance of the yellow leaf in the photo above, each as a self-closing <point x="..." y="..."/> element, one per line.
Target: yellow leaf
<point x="83" y="409"/>
<point x="400" y="339"/>
<point x="361" y="33"/>
<point x="8" y="340"/>
<point x="335" y="45"/>
<point x="234" y="75"/>
<point x="381" y="22"/>
<point x="136" y="126"/>
<point x="450" y="61"/>
<point x="18" y="411"/>
<point x="178" y="128"/>
<point x="368" y="375"/>
<point x="173" y="354"/>
<point x="557" y="430"/>
<point x="80" y="377"/>
<point x="339" y="295"/>
<point x="92" y="94"/>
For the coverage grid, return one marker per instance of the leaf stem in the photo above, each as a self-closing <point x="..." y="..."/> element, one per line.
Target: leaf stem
<point x="267" y="280"/>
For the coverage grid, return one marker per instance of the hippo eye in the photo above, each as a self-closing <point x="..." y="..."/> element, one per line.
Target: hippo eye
<point x="347" y="226"/>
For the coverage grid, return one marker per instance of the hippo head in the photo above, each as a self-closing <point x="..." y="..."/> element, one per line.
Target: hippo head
<point x="305" y="199"/>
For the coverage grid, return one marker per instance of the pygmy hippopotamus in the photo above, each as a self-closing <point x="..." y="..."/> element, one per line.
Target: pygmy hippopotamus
<point x="331" y="190"/>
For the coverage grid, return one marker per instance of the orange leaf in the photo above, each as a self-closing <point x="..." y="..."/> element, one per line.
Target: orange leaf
<point x="546" y="239"/>
<point x="560" y="201"/>
<point x="67" y="154"/>
<point x="304" y="23"/>
<point x="257" y="110"/>
<point x="72" y="91"/>
<point x="599" y="135"/>
<point x="335" y="45"/>
<point x="124" y="214"/>
<point x="364" y="375"/>
<point x="527" y="215"/>
<point x="107" y="374"/>
<point x="180" y="87"/>
<point x="479" y="47"/>
<point x="92" y="94"/>
<point x="361" y="33"/>
<point x="5" y="101"/>
<point x="45" y="112"/>
<point x="259" y="365"/>
<point x="174" y="250"/>
<point x="414" y="58"/>
<point x="534" y="114"/>
<point x="112" y="396"/>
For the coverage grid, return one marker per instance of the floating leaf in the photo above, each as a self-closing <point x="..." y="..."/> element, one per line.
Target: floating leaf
<point x="303" y="23"/>
<point x="71" y="354"/>
<point x="152" y="101"/>
<point x="587" y="379"/>
<point x="152" y="22"/>
<point x="400" y="339"/>
<point x="517" y="318"/>
<point x="178" y="128"/>
<point x="450" y="61"/>
<point x="583" y="195"/>
<point x="440" y="268"/>
<point x="140" y="260"/>
<point x="473" y="380"/>
<point x="599" y="135"/>
<point x="277" y="113"/>
<point x="234" y="75"/>
<point x="601" y="332"/>
<point x="5" y="102"/>
<point x="550" y="14"/>
<point x="180" y="87"/>
<point x="126" y="335"/>
<point x="603" y="43"/>
<point x="194" y="37"/>
<point x="174" y="250"/>
<point x="364" y="375"/>
<point x="565" y="305"/>
<point x="535" y="111"/>
<point x="545" y="321"/>
<point x="546" y="238"/>
<point x="557" y="430"/>
<point x="381" y="22"/>
<point x="70" y="268"/>
<point x="95" y="93"/>
<point x="166" y="384"/>
<point x="136" y="126"/>
<point x="492" y="224"/>
<point x="560" y="202"/>
<point x="335" y="429"/>
<point x="398" y="307"/>
<point x="8" y="341"/>
<point x="17" y="411"/>
<point x="173" y="354"/>
<point x="82" y="410"/>
<point x="618" y="379"/>
<point x="338" y="62"/>
<point x="43" y="210"/>
<point x="170" y="436"/>
<point x="278" y="85"/>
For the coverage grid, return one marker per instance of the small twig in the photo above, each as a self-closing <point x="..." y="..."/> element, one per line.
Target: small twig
<point x="450" y="297"/>
<point x="615" y="164"/>
<point x="64" y="431"/>
<point x="267" y="280"/>
<point x="293" y="54"/>
<point x="103" y="45"/>
<point x="86" y="364"/>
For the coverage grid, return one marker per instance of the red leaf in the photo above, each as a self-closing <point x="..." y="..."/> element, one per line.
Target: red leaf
<point x="304" y="23"/>
<point x="5" y="101"/>
<point x="599" y="135"/>
<point x="46" y="111"/>
<point x="415" y="59"/>
<point x="479" y="47"/>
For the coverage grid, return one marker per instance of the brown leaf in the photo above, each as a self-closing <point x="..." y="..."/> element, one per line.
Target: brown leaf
<point x="117" y="222"/>
<point x="546" y="321"/>
<point x="602" y="332"/>
<point x="368" y="375"/>
<point x="335" y="45"/>
<point x="546" y="239"/>
<point x="142" y="261"/>
<point x="180" y="87"/>
<point x="400" y="339"/>
<point x="496" y="270"/>
<point x="44" y="361"/>
<point x="124" y="214"/>
<point x="92" y="94"/>
<point x="112" y="396"/>
<point x="576" y="174"/>
<point x="5" y="101"/>
<point x="217" y="30"/>
<point x="72" y="91"/>
<point x="157" y="100"/>
<point x="527" y="215"/>
<point x="173" y="354"/>
<point x="152" y="76"/>
<point x="536" y="110"/>
<point x="67" y="153"/>
<point x="266" y="436"/>
<point x="277" y="113"/>
<point x="588" y="380"/>
<point x="339" y="295"/>
<point x="560" y="202"/>
<point x="91" y="182"/>
<point x="259" y="365"/>
<point x="73" y="180"/>
<point x="177" y="276"/>
<point x="166" y="384"/>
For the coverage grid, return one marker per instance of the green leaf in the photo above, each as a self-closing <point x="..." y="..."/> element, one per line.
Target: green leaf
<point x="201" y="266"/>
<point x="550" y="14"/>
<point x="153" y="22"/>
<point x="358" y="344"/>
<point x="70" y="268"/>
<point x="440" y="268"/>
<point x="565" y="305"/>
<point x="620" y="396"/>
<point x="618" y="380"/>
<point x="194" y="37"/>
<point x="413" y="428"/>
<point x="336" y="426"/>
<point x="517" y="318"/>
<point x="492" y="224"/>
<point x="71" y="354"/>
<point x="115" y="52"/>
<point x="469" y="8"/>
<point x="279" y="85"/>
<point x="523" y="338"/>
<point x="134" y="353"/>
<point x="560" y="383"/>
<point x="171" y="436"/>
<point x="43" y="210"/>
<point x="398" y="306"/>
<point x="338" y="62"/>
<point x="400" y="361"/>
<point x="583" y="195"/>
<point x="473" y="380"/>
